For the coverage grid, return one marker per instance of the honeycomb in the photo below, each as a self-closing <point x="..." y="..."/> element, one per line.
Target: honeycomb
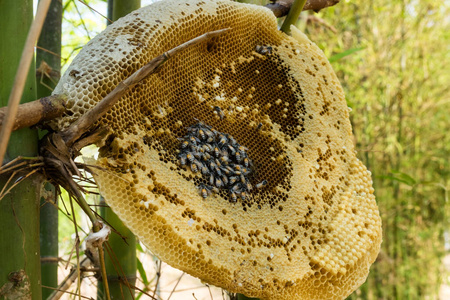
<point x="313" y="228"/>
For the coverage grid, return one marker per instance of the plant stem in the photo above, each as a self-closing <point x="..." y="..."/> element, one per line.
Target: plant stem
<point x="120" y="264"/>
<point x="47" y="75"/>
<point x="19" y="209"/>
<point x="24" y="66"/>
<point x="293" y="15"/>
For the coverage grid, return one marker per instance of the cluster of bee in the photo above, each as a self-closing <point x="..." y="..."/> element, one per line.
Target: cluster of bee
<point x="220" y="159"/>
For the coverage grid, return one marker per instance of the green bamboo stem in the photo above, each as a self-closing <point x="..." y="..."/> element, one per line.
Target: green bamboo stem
<point x="19" y="210"/>
<point x="46" y="78"/>
<point x="121" y="259"/>
<point x="292" y="16"/>
<point x="120" y="264"/>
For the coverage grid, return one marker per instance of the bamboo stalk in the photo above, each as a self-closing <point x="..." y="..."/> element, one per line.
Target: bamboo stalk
<point x="46" y="79"/>
<point x="20" y="77"/>
<point x="121" y="266"/>
<point x="19" y="209"/>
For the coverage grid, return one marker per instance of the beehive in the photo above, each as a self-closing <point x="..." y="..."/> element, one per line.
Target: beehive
<point x="313" y="231"/>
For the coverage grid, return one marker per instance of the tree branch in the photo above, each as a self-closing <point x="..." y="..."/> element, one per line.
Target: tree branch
<point x="32" y="113"/>
<point x="281" y="8"/>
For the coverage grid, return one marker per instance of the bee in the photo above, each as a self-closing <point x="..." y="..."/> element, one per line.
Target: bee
<point x="219" y="112"/>
<point x="232" y="150"/>
<point x="243" y="195"/>
<point x="194" y="167"/>
<point x="245" y="171"/>
<point x="233" y="180"/>
<point x="224" y="159"/>
<point x="216" y="151"/>
<point x="204" y="170"/>
<point x="213" y="166"/>
<point x="201" y="134"/>
<point x="233" y="197"/>
<point x="235" y="188"/>
<point x="211" y="179"/>
<point x="243" y="179"/>
<point x="184" y="144"/>
<point x="248" y="186"/>
<point x="183" y="159"/>
<point x="222" y="140"/>
<point x="227" y="170"/>
<point x="263" y="49"/>
<point x="225" y="180"/>
<point x="206" y="156"/>
<point x="246" y="162"/>
<point x="259" y="126"/>
<point x="238" y="156"/>
<point x="197" y="154"/>
<point x="232" y="141"/>
<point x="207" y="148"/>
<point x="261" y="184"/>
<point x="209" y="133"/>
<point x="190" y="157"/>
<point x="242" y="149"/>
<point x="194" y="140"/>
<point x="204" y="191"/>
<point x="219" y="183"/>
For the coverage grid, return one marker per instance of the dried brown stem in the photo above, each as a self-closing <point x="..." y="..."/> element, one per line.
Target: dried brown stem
<point x="32" y="113"/>
<point x="21" y="76"/>
<point x="82" y="125"/>
<point x="67" y="282"/>
<point x="281" y="8"/>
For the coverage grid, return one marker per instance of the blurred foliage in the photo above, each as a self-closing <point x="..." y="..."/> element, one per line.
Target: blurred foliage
<point x="389" y="57"/>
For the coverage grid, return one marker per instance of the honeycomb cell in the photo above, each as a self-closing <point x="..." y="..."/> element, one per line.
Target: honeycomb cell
<point x="313" y="228"/>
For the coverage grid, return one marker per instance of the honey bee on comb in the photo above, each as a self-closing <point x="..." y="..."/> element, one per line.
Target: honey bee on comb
<point x="231" y="159"/>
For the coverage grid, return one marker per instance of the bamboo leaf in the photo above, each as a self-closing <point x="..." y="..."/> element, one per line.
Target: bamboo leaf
<point x="141" y="270"/>
<point x="341" y="55"/>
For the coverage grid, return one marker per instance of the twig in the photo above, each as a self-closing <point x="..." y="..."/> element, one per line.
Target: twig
<point x="293" y="15"/>
<point x="96" y="11"/>
<point x="121" y="273"/>
<point x="281" y="8"/>
<point x="67" y="292"/>
<point x="142" y="291"/>
<point x="48" y="51"/>
<point x="67" y="282"/>
<point x="174" y="288"/>
<point x="71" y="134"/>
<point x="158" y="276"/>
<point x="77" y="249"/>
<point x="3" y="194"/>
<point x="32" y="113"/>
<point x="21" y="75"/>
<point x="101" y="256"/>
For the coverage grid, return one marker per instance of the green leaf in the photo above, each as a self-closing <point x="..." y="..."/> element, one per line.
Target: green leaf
<point x="338" y="56"/>
<point x="141" y="270"/>
<point x="400" y="177"/>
